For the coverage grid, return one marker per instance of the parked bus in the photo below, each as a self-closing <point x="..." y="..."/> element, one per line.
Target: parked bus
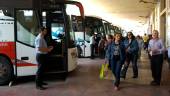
<point x="93" y="25"/>
<point x="20" y="21"/>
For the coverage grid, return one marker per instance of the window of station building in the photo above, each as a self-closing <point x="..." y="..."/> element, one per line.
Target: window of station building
<point x="27" y="26"/>
<point x="168" y="29"/>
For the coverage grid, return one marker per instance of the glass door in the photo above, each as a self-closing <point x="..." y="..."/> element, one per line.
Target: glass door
<point x="54" y="21"/>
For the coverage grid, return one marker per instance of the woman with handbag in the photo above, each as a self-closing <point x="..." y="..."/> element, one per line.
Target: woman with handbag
<point x="132" y="49"/>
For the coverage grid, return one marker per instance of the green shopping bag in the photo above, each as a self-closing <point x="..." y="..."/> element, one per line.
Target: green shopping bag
<point x="102" y="71"/>
<point x="106" y="73"/>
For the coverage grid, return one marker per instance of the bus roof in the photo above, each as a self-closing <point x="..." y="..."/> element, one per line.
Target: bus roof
<point x="38" y="4"/>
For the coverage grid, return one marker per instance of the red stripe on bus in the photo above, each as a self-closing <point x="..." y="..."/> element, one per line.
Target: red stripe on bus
<point x="21" y="63"/>
<point x="25" y="64"/>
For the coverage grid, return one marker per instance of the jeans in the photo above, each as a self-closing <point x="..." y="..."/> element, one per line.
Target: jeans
<point x="130" y="58"/>
<point x="116" y="66"/>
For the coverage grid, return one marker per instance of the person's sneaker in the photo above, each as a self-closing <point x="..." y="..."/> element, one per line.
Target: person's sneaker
<point x="41" y="87"/>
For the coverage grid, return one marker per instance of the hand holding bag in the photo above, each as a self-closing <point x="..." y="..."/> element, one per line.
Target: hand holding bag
<point x="106" y="73"/>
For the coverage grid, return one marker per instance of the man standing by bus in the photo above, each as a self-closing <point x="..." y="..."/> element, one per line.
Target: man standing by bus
<point x="41" y="57"/>
<point x="92" y="45"/>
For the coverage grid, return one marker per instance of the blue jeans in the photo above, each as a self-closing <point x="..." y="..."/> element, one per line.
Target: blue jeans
<point x="116" y="66"/>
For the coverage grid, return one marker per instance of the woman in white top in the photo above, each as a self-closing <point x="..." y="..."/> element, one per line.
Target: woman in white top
<point x="156" y="49"/>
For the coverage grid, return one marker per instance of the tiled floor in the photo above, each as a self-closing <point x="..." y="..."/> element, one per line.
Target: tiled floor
<point x="84" y="81"/>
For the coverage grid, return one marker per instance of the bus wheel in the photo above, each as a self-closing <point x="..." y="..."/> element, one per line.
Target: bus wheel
<point x="5" y="71"/>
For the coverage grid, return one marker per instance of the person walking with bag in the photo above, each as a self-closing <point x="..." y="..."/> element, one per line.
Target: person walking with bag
<point x="132" y="48"/>
<point x="156" y="49"/>
<point x="41" y="57"/>
<point x="116" y="53"/>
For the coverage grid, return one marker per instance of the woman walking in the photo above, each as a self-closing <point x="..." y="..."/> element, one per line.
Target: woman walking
<point x="132" y="48"/>
<point x="116" y="53"/>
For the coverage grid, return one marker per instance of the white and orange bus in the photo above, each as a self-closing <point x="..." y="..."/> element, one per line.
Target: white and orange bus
<point x="19" y="24"/>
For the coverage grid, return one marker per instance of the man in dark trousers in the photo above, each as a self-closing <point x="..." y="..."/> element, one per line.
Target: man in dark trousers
<point x="92" y="46"/>
<point x="41" y="57"/>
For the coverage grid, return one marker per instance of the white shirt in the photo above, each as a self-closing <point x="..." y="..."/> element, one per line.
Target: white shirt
<point x="40" y="42"/>
<point x="156" y="44"/>
<point x="92" y="40"/>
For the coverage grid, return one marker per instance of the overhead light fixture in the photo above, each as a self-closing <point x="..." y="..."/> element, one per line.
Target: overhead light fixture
<point x="143" y="16"/>
<point x="28" y="13"/>
<point x="143" y="1"/>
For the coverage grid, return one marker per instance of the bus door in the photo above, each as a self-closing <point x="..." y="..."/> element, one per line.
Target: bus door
<point x="26" y="30"/>
<point x="54" y="20"/>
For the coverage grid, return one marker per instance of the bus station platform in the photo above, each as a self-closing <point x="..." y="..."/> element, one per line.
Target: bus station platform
<point x="85" y="81"/>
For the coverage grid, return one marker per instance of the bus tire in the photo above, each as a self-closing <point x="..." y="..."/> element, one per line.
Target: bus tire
<point x="6" y="72"/>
